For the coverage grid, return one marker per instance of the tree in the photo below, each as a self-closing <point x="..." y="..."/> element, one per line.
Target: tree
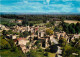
<point x="4" y="44"/>
<point x="67" y="51"/>
<point x="49" y="32"/>
<point x="4" y="32"/>
<point x="37" y="43"/>
<point x="77" y="29"/>
<point x="11" y="42"/>
<point x="53" y="48"/>
<point x="14" y="49"/>
<point x="71" y="29"/>
<point x="53" y="22"/>
<point x="31" y="24"/>
<point x="73" y="47"/>
<point x="10" y="32"/>
<point x="27" y="44"/>
<point x="48" y="25"/>
<point x="62" y="41"/>
<point x="34" y="53"/>
<point x="21" y="35"/>
<point x="56" y="29"/>
<point x="62" y="20"/>
<point x="25" y="33"/>
<point x="65" y="27"/>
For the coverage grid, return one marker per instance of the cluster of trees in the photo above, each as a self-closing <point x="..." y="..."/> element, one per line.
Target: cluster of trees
<point x="40" y="17"/>
<point x="41" y="52"/>
<point x="8" y="47"/>
<point x="71" y="28"/>
<point x="49" y="32"/>
<point x="62" y="42"/>
<point x="31" y="23"/>
<point x="50" y="24"/>
<point x="35" y="53"/>
<point x="4" y="32"/>
<point x="8" y="44"/>
<point x="4" y="44"/>
<point x="8" y="24"/>
<point x="36" y="19"/>
<point x="25" y="34"/>
<point x="70" y="48"/>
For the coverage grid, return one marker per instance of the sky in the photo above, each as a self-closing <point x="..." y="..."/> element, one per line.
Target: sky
<point x="40" y="6"/>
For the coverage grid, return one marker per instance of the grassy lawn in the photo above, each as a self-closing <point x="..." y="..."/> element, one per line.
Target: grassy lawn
<point x="8" y="53"/>
<point x="6" y="19"/>
<point x="40" y="24"/>
<point x="51" y="54"/>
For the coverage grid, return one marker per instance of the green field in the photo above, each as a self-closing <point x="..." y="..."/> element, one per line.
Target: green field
<point x="51" y="54"/>
<point x="6" y="19"/>
<point x="8" y="53"/>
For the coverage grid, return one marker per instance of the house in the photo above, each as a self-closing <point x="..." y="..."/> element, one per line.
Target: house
<point x="44" y="42"/>
<point x="14" y="36"/>
<point x="51" y="38"/>
<point x="71" y="37"/>
<point x="10" y="36"/>
<point x="2" y="27"/>
<point x="36" y="29"/>
<point x="24" y="49"/>
<point x="19" y="21"/>
<point x="41" y="34"/>
<point x="60" y="34"/>
<point x="22" y="41"/>
<point x="32" y="30"/>
<point x="47" y="21"/>
<point x="28" y="28"/>
<point x="15" y="41"/>
<point x="75" y="36"/>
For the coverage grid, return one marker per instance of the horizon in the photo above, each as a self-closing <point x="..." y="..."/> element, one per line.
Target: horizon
<point x="16" y="13"/>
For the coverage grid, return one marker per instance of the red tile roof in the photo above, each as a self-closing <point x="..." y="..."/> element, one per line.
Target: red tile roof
<point x="15" y="40"/>
<point x="19" y="39"/>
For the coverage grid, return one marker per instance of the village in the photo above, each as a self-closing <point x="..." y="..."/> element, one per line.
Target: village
<point x="39" y="33"/>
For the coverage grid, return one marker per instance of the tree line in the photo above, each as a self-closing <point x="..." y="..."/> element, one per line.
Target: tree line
<point x="71" y="28"/>
<point x="40" y="17"/>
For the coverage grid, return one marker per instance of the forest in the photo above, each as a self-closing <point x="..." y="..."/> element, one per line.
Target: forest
<point x="40" y="17"/>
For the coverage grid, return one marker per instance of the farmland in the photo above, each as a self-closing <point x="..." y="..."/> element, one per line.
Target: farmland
<point x="71" y="21"/>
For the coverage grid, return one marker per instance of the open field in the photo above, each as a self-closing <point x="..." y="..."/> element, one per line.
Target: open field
<point x="68" y="21"/>
<point x="71" y="21"/>
<point x="51" y="54"/>
<point x="4" y="20"/>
